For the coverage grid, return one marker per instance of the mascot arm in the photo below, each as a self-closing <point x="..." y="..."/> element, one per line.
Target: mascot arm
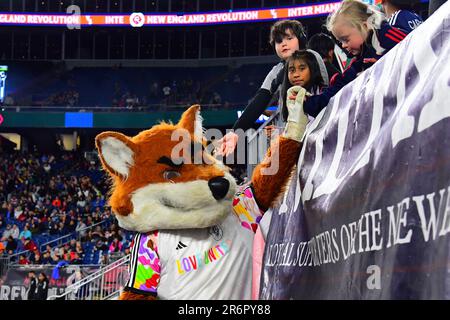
<point x="144" y="269"/>
<point x="252" y="200"/>
<point x="268" y="181"/>
<point x="272" y="174"/>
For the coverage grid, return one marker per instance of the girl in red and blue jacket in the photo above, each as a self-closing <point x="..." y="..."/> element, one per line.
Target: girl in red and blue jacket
<point x="365" y="34"/>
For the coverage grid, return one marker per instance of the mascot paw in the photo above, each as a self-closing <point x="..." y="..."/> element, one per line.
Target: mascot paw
<point x="127" y="295"/>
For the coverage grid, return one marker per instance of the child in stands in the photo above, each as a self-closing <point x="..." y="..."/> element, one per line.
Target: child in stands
<point x="365" y="34"/>
<point x="400" y="14"/>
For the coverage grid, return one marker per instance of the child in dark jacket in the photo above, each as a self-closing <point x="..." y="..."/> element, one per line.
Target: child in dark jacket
<point x="365" y="34"/>
<point x="305" y="68"/>
<point x="400" y="14"/>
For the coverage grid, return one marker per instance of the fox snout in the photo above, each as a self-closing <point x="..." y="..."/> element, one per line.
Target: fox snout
<point x="219" y="187"/>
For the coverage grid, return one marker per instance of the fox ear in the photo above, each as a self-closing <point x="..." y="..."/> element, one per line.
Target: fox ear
<point x="192" y="121"/>
<point x="116" y="152"/>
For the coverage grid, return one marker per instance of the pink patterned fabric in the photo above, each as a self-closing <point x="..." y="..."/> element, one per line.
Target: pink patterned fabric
<point x="258" y="252"/>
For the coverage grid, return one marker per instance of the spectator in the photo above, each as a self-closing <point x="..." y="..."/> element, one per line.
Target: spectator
<point x="47" y="167"/>
<point x="35" y="228"/>
<point x="29" y="245"/>
<point x="72" y="226"/>
<point x="42" y="287"/>
<point x="54" y="230"/>
<point x="7" y="233"/>
<point x="56" y="203"/>
<point x="55" y="256"/>
<point x="286" y="37"/>
<point x="36" y="258"/>
<point x="15" y="232"/>
<point x="25" y="234"/>
<point x="79" y="249"/>
<point x="62" y="229"/>
<point x="80" y="228"/>
<point x="23" y="260"/>
<point x="98" y="233"/>
<point x="366" y="35"/>
<point x="73" y="257"/>
<point x="18" y="213"/>
<point x="46" y="258"/>
<point x="154" y="89"/>
<point x="100" y="245"/>
<point x="90" y="236"/>
<point x="11" y="245"/>
<point x="72" y="244"/>
<point x="116" y="245"/>
<point x="31" y="291"/>
<point x="216" y="99"/>
<point x="400" y="15"/>
<point x="48" y="249"/>
<point x="104" y="259"/>
<point x="166" y="92"/>
<point x="9" y="101"/>
<point x="324" y="45"/>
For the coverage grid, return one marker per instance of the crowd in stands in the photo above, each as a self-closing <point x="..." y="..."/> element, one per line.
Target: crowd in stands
<point x="128" y="88"/>
<point x="69" y="98"/>
<point x="45" y="197"/>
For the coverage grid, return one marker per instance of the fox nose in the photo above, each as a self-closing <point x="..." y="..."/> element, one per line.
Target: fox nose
<point x="219" y="187"/>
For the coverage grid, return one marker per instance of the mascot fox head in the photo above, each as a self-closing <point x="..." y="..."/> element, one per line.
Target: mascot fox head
<point x="155" y="187"/>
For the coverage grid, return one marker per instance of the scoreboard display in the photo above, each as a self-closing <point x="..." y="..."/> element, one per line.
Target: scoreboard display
<point x="138" y="19"/>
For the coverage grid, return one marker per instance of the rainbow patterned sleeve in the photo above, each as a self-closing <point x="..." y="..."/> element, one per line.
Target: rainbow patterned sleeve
<point x="246" y="208"/>
<point x="144" y="265"/>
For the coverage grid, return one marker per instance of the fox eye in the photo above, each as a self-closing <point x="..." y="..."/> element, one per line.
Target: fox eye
<point x="171" y="174"/>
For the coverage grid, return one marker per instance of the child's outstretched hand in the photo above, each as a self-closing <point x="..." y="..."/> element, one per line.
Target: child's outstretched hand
<point x="227" y="144"/>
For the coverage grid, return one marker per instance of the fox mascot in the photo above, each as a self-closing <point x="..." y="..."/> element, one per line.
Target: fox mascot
<point x="194" y="226"/>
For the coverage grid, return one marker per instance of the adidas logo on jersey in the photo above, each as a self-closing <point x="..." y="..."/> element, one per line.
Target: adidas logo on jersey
<point x="181" y="245"/>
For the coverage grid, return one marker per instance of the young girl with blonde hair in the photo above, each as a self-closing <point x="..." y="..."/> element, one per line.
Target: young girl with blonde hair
<point x="365" y="34"/>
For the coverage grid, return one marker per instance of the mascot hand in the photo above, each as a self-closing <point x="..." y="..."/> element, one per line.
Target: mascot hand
<point x="297" y="119"/>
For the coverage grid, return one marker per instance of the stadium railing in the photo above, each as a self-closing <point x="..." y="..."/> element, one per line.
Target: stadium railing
<point x="4" y="264"/>
<point x="257" y="144"/>
<point x="104" y="284"/>
<point x="10" y="260"/>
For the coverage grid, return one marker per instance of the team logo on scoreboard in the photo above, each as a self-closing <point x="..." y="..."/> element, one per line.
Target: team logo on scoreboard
<point x="274" y="14"/>
<point x="137" y="19"/>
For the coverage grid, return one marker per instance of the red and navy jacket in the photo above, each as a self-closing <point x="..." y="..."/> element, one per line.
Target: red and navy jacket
<point x="381" y="41"/>
<point x="405" y="20"/>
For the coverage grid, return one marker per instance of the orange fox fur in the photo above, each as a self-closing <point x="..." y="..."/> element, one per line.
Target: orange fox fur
<point x="127" y="295"/>
<point x="268" y="188"/>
